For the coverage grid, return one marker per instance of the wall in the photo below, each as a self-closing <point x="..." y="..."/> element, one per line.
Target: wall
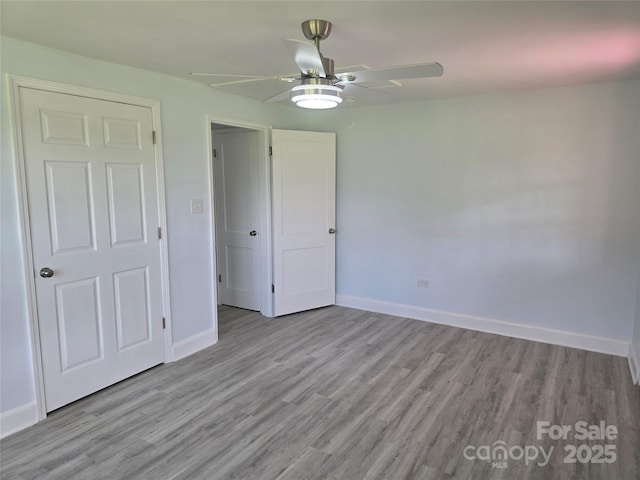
<point x="634" y="356"/>
<point x="634" y="353"/>
<point x="184" y="106"/>
<point x="517" y="207"/>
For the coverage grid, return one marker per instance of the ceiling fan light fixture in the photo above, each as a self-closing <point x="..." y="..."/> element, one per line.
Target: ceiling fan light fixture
<point x="316" y="96"/>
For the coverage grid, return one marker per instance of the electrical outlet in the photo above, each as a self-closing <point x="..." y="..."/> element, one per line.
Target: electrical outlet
<point x="423" y="283"/>
<point x="196" y="205"/>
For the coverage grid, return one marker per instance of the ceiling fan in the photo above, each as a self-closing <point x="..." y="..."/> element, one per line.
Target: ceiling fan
<point x="319" y="86"/>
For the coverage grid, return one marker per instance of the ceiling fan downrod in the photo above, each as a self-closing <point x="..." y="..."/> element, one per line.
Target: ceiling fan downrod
<point x="317" y="30"/>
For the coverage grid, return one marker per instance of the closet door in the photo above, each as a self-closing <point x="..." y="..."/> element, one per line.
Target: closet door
<point x="93" y="213"/>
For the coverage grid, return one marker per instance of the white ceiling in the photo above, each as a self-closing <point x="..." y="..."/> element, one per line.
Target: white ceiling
<point x="483" y="46"/>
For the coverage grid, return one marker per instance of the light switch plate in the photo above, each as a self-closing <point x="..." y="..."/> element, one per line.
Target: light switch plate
<point x="196" y="205"/>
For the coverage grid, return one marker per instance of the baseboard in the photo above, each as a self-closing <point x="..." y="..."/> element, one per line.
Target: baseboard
<point x="634" y="362"/>
<point x="563" y="338"/>
<point x="194" y="344"/>
<point x="17" y="419"/>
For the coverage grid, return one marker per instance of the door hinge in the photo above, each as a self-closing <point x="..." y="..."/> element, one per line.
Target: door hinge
<point x="164" y="323"/>
<point x="215" y="153"/>
<point x="219" y="278"/>
<point x="270" y="151"/>
<point x="153" y="136"/>
<point x="273" y="288"/>
<point x="159" y="232"/>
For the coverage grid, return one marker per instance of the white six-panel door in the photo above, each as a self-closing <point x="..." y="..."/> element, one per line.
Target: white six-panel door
<point x="92" y="193"/>
<point x="236" y="171"/>
<point x="304" y="183"/>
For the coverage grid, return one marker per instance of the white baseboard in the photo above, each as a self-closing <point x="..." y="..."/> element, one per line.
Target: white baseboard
<point x="17" y="419"/>
<point x="634" y="362"/>
<point x="611" y="346"/>
<point x="194" y="344"/>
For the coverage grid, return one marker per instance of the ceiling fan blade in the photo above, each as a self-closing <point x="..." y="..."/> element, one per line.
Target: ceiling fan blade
<point x="200" y="74"/>
<point x="306" y="56"/>
<point x="278" y="96"/>
<point x="360" y="92"/>
<point x="245" y="80"/>
<point x="402" y="72"/>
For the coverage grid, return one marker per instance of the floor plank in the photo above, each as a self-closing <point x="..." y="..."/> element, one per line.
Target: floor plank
<point x="339" y="394"/>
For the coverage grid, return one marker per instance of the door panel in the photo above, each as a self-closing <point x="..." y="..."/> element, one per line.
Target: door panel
<point x="307" y="270"/>
<point x="79" y="323"/>
<point x="304" y="166"/>
<point x="236" y="171"/>
<point x="122" y="133"/>
<point x="304" y="187"/>
<point x="64" y="128"/>
<point x="92" y="194"/>
<point x="133" y="320"/>
<point x="239" y="277"/>
<point x="70" y="209"/>
<point x="126" y="203"/>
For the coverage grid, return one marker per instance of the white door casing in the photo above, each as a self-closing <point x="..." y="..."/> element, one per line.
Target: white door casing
<point x="304" y="167"/>
<point x="237" y="186"/>
<point x="93" y="212"/>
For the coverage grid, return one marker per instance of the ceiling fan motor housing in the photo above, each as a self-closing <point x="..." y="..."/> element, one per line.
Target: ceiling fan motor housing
<point x="328" y="65"/>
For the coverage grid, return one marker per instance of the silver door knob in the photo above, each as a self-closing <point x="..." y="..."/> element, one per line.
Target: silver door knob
<point x="332" y="231"/>
<point x="253" y="233"/>
<point x="46" y="272"/>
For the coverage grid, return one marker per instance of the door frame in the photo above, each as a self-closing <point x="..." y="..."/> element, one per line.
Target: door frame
<point x="15" y="83"/>
<point x="266" y="268"/>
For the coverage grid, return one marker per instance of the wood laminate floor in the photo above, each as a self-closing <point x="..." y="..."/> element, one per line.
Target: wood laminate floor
<point x="342" y="394"/>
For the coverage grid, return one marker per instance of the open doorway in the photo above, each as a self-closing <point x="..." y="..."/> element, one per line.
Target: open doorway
<point x="242" y="212"/>
<point x="291" y="255"/>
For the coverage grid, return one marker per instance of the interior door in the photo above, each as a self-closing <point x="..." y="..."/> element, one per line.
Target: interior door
<point x="304" y="192"/>
<point x="236" y="170"/>
<point x="92" y="194"/>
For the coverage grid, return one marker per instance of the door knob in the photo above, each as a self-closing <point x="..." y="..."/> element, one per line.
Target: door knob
<point x="253" y="233"/>
<point x="332" y="231"/>
<point x="46" y="272"/>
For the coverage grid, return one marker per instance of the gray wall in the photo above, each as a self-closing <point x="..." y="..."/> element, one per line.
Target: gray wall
<point x="518" y="207"/>
<point x="635" y="346"/>
<point x="636" y="332"/>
